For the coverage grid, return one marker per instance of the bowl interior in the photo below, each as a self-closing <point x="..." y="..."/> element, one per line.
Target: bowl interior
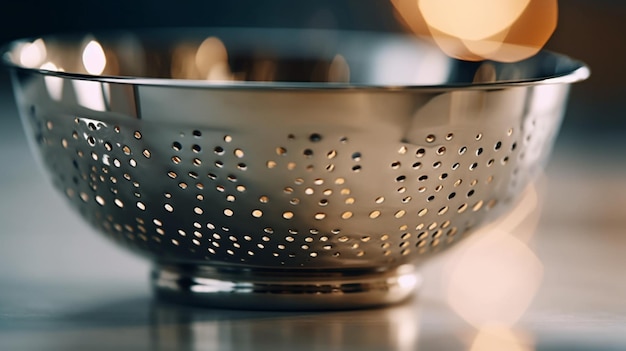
<point x="301" y="57"/>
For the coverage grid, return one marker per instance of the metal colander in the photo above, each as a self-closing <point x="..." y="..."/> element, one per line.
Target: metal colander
<point x="315" y="171"/>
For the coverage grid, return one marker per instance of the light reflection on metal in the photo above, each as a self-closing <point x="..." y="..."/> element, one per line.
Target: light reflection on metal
<point x="208" y="61"/>
<point x="264" y="71"/>
<point x="500" y="30"/>
<point x="54" y="85"/>
<point x="94" y="59"/>
<point x="183" y="62"/>
<point x="91" y="94"/>
<point x="539" y="105"/>
<point x="211" y="60"/>
<point x="429" y="67"/>
<point x="211" y="285"/>
<point x="486" y="73"/>
<point x="112" y="62"/>
<point x="33" y="54"/>
<point x="339" y="70"/>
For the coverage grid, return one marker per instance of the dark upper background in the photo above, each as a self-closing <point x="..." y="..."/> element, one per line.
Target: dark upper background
<point x="592" y="31"/>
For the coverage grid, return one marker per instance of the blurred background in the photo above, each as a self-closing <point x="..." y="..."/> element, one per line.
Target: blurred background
<point x="63" y="287"/>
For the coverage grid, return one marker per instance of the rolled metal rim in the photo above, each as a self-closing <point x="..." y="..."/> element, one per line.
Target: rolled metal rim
<point x="566" y="69"/>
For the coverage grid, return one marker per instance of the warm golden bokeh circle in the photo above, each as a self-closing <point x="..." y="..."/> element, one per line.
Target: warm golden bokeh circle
<point x="476" y="30"/>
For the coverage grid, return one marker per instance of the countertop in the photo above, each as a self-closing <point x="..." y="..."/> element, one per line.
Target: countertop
<point x="549" y="277"/>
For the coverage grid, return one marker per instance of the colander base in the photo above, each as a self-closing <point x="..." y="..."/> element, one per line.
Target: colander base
<point x="267" y="289"/>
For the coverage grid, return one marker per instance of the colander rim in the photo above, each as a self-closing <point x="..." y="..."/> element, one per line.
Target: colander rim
<point x="579" y="72"/>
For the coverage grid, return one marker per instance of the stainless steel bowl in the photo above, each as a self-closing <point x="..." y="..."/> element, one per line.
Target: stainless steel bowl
<point x="285" y="169"/>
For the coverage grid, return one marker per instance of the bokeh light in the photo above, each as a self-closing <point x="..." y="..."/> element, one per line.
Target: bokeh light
<point x="497" y="338"/>
<point x="476" y="30"/>
<point x="212" y="60"/>
<point x="32" y="54"/>
<point x="54" y="85"/>
<point x="94" y="58"/>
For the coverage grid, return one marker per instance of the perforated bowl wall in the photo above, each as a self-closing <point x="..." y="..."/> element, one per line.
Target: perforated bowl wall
<point x="290" y="195"/>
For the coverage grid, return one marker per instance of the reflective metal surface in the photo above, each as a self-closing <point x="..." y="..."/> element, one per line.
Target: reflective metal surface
<point x="259" y="289"/>
<point x="232" y="57"/>
<point x="62" y="288"/>
<point x="290" y="178"/>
